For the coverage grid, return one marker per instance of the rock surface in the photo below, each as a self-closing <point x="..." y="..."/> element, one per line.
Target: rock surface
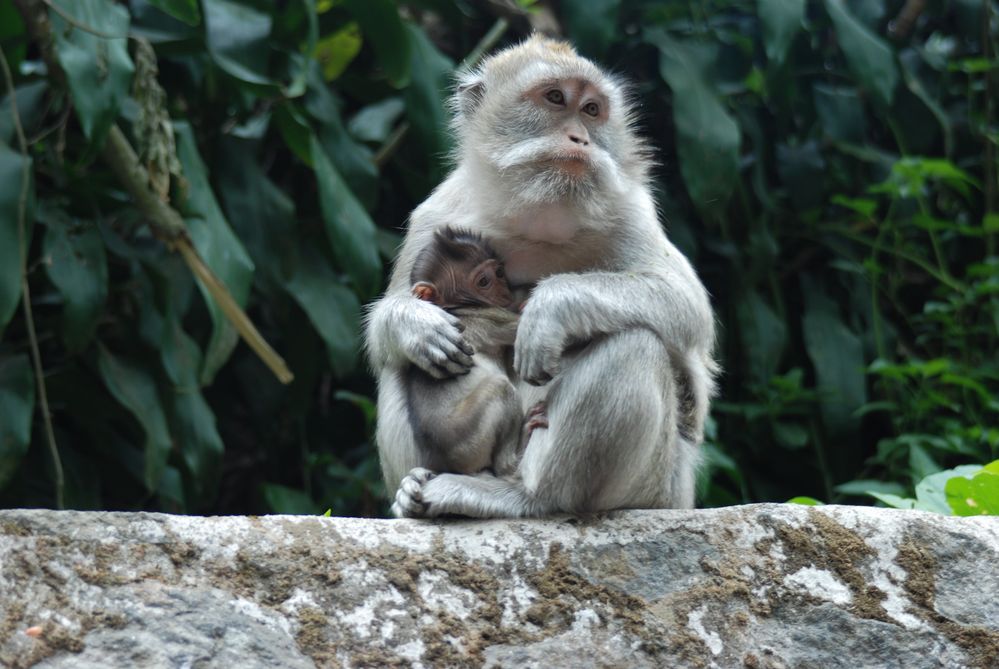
<point x="753" y="586"/>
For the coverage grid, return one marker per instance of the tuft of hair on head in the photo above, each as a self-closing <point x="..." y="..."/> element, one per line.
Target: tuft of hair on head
<point x="454" y="245"/>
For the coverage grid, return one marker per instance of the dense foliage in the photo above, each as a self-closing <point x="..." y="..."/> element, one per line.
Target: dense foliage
<point x="828" y="166"/>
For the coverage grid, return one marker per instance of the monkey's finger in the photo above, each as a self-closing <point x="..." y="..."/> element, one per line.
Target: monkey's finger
<point x="456" y="350"/>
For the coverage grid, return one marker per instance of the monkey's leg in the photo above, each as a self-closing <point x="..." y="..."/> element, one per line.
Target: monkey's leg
<point x="611" y="443"/>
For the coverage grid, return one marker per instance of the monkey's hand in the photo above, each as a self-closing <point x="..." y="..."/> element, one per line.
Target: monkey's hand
<point x="408" y="329"/>
<point x="541" y="335"/>
<point x="409" y="497"/>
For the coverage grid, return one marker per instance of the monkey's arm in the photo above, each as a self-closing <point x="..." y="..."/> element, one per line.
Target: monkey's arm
<point x="564" y="309"/>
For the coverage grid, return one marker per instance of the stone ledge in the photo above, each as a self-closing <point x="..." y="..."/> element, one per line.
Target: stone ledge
<point x="755" y="586"/>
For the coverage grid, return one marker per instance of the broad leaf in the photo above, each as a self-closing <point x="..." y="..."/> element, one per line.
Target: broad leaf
<point x="931" y="491"/>
<point x="762" y="331"/>
<point x="29" y="103"/>
<point x="77" y="266"/>
<point x="838" y="357"/>
<point x="331" y="307"/>
<point x="841" y="112"/>
<point x="707" y="136"/>
<point x="869" y="57"/>
<point x="184" y="10"/>
<point x="12" y="174"/>
<point x="350" y="230"/>
<point x="352" y="159"/>
<point x="337" y="50"/>
<point x="781" y="21"/>
<point x="135" y="389"/>
<point x="591" y="24"/>
<point x="383" y="27"/>
<point x="975" y="496"/>
<point x="218" y="247"/>
<point x="17" y="405"/>
<point x="98" y="69"/>
<point x="426" y="95"/>
<point x="191" y="419"/>
<point x="375" y="122"/>
<point x="238" y="40"/>
<point x="282" y="499"/>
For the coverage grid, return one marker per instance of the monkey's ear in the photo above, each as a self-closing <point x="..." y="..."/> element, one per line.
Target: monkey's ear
<point x="425" y="291"/>
<point x="469" y="92"/>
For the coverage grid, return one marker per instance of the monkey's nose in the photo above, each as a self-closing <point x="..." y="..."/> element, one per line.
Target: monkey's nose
<point x="576" y="139"/>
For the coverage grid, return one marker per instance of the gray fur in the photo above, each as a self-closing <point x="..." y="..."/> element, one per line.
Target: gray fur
<point x="473" y="421"/>
<point x="617" y="318"/>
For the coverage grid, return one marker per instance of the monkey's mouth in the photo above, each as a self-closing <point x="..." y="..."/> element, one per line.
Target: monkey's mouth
<point x="573" y="164"/>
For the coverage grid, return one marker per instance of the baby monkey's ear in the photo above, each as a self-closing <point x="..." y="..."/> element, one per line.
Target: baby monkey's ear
<point x="425" y="291"/>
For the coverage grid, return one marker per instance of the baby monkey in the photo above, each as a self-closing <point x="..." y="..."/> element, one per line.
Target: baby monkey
<point x="472" y="422"/>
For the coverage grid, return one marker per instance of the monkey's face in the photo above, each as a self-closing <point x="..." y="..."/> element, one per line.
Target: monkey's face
<point x="487" y="281"/>
<point x="548" y="121"/>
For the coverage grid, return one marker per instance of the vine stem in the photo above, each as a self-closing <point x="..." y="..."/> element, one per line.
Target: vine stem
<point x="29" y="318"/>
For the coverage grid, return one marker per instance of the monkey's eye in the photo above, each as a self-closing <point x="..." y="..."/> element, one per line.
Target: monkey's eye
<point x="555" y="96"/>
<point x="483" y="281"/>
<point x="591" y="108"/>
<point x="500" y="272"/>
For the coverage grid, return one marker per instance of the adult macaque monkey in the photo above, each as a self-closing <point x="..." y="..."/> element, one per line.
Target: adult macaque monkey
<point x="617" y="333"/>
<point x="473" y="421"/>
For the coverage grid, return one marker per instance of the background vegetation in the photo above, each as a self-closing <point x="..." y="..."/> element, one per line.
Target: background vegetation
<point x="829" y="167"/>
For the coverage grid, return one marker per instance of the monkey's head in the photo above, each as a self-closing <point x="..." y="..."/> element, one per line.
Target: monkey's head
<point x="460" y="269"/>
<point x="538" y="112"/>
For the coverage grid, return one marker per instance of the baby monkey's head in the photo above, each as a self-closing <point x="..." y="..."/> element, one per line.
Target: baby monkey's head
<point x="460" y="269"/>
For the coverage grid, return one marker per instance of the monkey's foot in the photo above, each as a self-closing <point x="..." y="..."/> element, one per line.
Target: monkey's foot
<point x="409" y="497"/>
<point x="537" y="417"/>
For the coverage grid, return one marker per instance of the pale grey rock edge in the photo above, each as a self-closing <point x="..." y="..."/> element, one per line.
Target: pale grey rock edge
<point x="753" y="586"/>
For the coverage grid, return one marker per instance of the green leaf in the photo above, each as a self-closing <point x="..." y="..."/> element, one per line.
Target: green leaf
<point x="790" y="435"/>
<point x="762" y="331"/>
<point x="383" y="27"/>
<point x="921" y="463"/>
<point x="352" y="159"/>
<point x="781" y="20"/>
<point x="802" y="170"/>
<point x="894" y="500"/>
<point x="869" y="486"/>
<point x="805" y="501"/>
<point x="838" y="357"/>
<point x="707" y="136"/>
<point x="426" y="95"/>
<point x="29" y="105"/>
<point x="77" y="265"/>
<point x="218" y="247"/>
<point x="12" y="174"/>
<point x="931" y="491"/>
<point x="591" y="24"/>
<point x="331" y="307"/>
<point x="375" y="122"/>
<point x="350" y="230"/>
<point x="282" y="499"/>
<point x="17" y="404"/>
<point x="183" y="10"/>
<point x="238" y="40"/>
<point x="337" y="50"/>
<point x="295" y="130"/>
<point x="12" y="27"/>
<point x="870" y="59"/>
<point x="841" y="112"/>
<point x="98" y="69"/>
<point x="976" y="496"/>
<point x="135" y="389"/>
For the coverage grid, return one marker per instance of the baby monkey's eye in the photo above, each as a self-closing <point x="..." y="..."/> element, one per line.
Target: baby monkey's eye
<point x="555" y="96"/>
<point x="500" y="272"/>
<point x="591" y="108"/>
<point x="483" y="281"/>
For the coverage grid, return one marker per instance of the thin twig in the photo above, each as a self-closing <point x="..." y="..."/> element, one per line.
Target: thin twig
<point x="29" y="318"/>
<point x="488" y="41"/>
<point x="73" y="21"/>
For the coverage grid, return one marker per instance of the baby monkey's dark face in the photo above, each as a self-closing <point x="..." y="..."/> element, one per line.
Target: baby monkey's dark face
<point x="460" y="269"/>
